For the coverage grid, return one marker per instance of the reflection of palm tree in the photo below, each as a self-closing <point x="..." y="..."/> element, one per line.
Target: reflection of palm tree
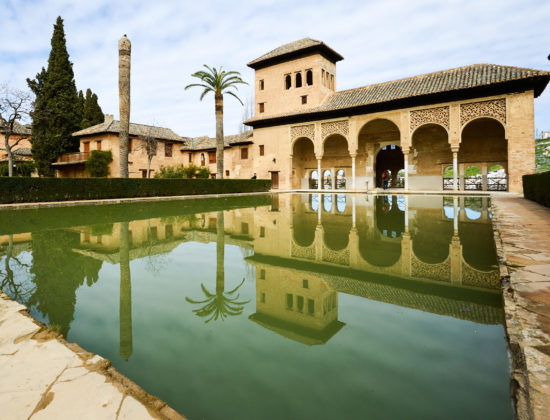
<point x="220" y="304"/>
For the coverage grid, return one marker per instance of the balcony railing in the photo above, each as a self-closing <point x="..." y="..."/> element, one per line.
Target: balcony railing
<point x="73" y="157"/>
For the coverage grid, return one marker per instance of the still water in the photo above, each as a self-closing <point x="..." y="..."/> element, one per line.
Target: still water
<point x="277" y="307"/>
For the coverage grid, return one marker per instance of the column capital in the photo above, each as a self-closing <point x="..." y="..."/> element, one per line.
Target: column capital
<point x="454" y="149"/>
<point x="353" y="155"/>
<point x="318" y="157"/>
<point x="406" y="151"/>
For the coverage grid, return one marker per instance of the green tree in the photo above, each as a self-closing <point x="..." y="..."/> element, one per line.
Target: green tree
<point x="58" y="105"/>
<point x="91" y="113"/>
<point x="219" y="82"/>
<point x="42" y="154"/>
<point x="97" y="163"/>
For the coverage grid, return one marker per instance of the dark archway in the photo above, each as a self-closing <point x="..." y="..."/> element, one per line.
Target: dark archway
<point x="389" y="159"/>
<point x="303" y="160"/>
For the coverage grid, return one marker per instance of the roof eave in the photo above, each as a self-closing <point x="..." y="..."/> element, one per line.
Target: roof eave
<point x="322" y="49"/>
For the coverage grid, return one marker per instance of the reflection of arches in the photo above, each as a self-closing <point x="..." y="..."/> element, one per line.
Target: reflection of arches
<point x="327" y="202"/>
<point x="314" y="202"/>
<point x="378" y="252"/>
<point x="303" y="227"/>
<point x="478" y="247"/>
<point x="390" y="219"/>
<point x="389" y="159"/>
<point x="432" y="237"/>
<point x="336" y="232"/>
<point x="341" y="203"/>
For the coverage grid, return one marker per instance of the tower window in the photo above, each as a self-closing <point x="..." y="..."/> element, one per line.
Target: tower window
<point x="332" y="81"/>
<point x="261" y="149"/>
<point x="304" y="99"/>
<point x="309" y="78"/>
<point x="298" y="80"/>
<point x="288" y="82"/>
<point x="323" y="76"/>
<point x="167" y="149"/>
<point x="244" y="153"/>
<point x="262" y="107"/>
<point x="261" y="84"/>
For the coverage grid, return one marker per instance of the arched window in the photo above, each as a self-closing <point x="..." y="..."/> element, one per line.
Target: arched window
<point x="314" y="180"/>
<point x="309" y="78"/>
<point x="497" y="179"/>
<point x="203" y="159"/>
<point x="340" y="179"/>
<point x="288" y="82"/>
<point x="298" y="80"/>
<point x="472" y="178"/>
<point x="327" y="180"/>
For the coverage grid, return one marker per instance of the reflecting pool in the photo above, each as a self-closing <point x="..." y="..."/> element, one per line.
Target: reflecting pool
<point x="286" y="306"/>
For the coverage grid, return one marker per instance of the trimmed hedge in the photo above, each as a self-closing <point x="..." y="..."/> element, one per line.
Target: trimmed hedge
<point x="24" y="190"/>
<point x="536" y="187"/>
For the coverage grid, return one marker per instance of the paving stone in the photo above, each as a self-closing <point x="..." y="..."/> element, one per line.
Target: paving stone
<point x="132" y="410"/>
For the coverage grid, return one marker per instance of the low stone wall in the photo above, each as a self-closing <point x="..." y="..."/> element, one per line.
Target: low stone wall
<point x="522" y="237"/>
<point x="45" y="377"/>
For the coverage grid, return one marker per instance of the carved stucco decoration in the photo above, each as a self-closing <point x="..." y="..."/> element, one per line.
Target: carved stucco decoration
<point x="438" y="115"/>
<point x="303" y="252"/>
<point x="336" y="257"/>
<point x="335" y="127"/>
<point x="298" y="131"/>
<point x="440" y="272"/>
<point x="494" y="108"/>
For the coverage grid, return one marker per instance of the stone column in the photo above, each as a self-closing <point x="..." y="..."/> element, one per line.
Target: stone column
<point x="461" y="174"/>
<point x="353" y="214"/>
<point x="320" y="176"/>
<point x="407" y="214"/>
<point x="124" y="52"/>
<point x="290" y="175"/>
<point x="406" y="169"/>
<point x="455" y="215"/>
<point x="455" y="168"/>
<point x="456" y="260"/>
<point x="353" y="171"/>
<point x="333" y="180"/>
<point x="484" y="177"/>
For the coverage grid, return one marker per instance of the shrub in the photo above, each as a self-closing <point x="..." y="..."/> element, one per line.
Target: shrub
<point x="170" y="172"/>
<point x="98" y="162"/>
<point x="21" y="168"/>
<point x="536" y="187"/>
<point x="203" y="172"/>
<point x="20" y="190"/>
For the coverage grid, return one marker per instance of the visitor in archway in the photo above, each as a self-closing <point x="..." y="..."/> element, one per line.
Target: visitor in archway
<point x="385" y="180"/>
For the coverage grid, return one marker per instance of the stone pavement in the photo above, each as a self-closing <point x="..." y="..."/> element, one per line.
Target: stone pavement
<point x="522" y="234"/>
<point x="44" y="377"/>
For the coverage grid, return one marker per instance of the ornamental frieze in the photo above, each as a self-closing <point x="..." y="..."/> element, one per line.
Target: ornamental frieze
<point x="438" y="115"/>
<point x="298" y="131"/>
<point x="334" y="127"/>
<point x="494" y="108"/>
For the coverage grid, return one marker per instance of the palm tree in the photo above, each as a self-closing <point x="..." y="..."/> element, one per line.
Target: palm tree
<point x="220" y="82"/>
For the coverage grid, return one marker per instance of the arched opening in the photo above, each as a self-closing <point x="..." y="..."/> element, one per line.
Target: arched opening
<point x="327" y="202"/>
<point x="448" y="178"/>
<point x="327" y="180"/>
<point x="340" y="179"/>
<point x="303" y="161"/>
<point x="341" y="203"/>
<point x="432" y="235"/>
<point x="314" y="202"/>
<point x="372" y="136"/>
<point x="298" y="80"/>
<point x="288" y="82"/>
<point x="390" y="219"/>
<point x="476" y="239"/>
<point x="431" y="153"/>
<point x="309" y="78"/>
<point x="497" y="179"/>
<point x="483" y="143"/>
<point x="314" y="180"/>
<point x="203" y="160"/>
<point x="304" y="223"/>
<point x="472" y="178"/>
<point x="336" y="156"/>
<point x="473" y="207"/>
<point x="389" y="161"/>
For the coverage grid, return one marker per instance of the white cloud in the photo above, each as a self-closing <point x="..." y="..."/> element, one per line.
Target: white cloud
<point x="380" y="41"/>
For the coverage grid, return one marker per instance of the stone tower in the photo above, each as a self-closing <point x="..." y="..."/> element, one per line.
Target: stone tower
<point x="124" y="52"/>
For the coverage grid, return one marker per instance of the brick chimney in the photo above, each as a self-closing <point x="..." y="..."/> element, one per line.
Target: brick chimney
<point x="109" y="118"/>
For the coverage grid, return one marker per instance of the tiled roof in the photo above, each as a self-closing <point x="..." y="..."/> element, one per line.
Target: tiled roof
<point x="292" y="47"/>
<point x="20" y="129"/>
<point x="23" y="151"/>
<point x="460" y="78"/>
<point x="207" y="143"/>
<point x="113" y="126"/>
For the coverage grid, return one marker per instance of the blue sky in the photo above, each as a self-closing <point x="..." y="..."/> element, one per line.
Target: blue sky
<point x="380" y="41"/>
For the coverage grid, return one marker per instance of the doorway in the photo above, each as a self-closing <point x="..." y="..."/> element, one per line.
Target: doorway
<point x="275" y="180"/>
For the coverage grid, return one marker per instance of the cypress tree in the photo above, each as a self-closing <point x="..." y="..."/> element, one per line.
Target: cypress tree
<point x="81" y="102"/>
<point x="42" y="153"/>
<point x="59" y="105"/>
<point x="92" y="114"/>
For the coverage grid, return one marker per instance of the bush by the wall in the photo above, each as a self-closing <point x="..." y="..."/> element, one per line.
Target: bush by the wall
<point x="98" y="162"/>
<point x="536" y="187"/>
<point x="21" y="168"/>
<point x="180" y="171"/>
<point x="21" y="190"/>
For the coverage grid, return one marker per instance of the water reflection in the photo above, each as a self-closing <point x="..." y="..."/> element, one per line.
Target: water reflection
<point x="396" y="249"/>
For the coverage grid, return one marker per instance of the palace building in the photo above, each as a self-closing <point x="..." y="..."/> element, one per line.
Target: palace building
<point x="468" y="128"/>
<point x="417" y="129"/>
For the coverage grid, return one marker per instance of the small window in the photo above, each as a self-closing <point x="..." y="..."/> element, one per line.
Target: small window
<point x="300" y="303"/>
<point x="261" y="84"/>
<point x="310" y="306"/>
<point x="226" y="172"/>
<point x="211" y="157"/>
<point x="262" y="274"/>
<point x="203" y="159"/>
<point x="323" y="77"/>
<point x="99" y="145"/>
<point x="289" y="301"/>
<point x="168" y="231"/>
<point x="153" y="235"/>
<point x="190" y="157"/>
<point x="168" y="149"/>
<point x="262" y="107"/>
<point x="309" y="78"/>
<point x="305" y="284"/>
<point x="244" y="228"/>
<point x="298" y="80"/>
<point x="262" y="298"/>
<point x="332" y="81"/>
<point x="304" y="99"/>
<point x="261" y="149"/>
<point x="86" y="146"/>
<point x="288" y="82"/>
<point x="262" y="232"/>
<point x="244" y="153"/>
